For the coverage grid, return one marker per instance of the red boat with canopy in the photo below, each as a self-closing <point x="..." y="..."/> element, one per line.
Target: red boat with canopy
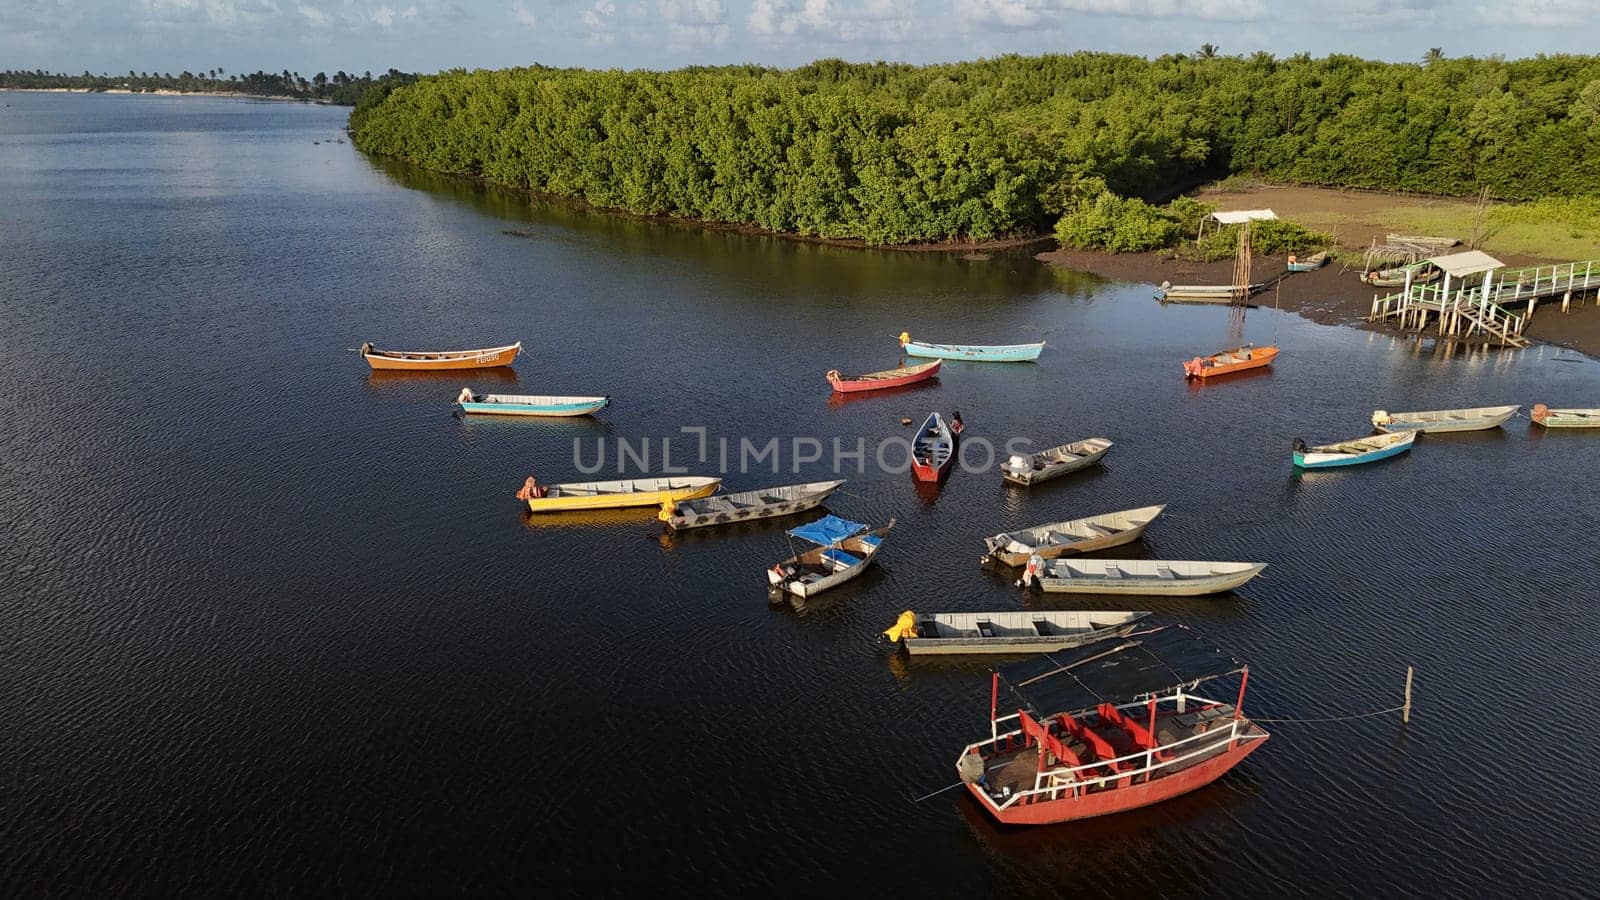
<point x="1108" y="727"/>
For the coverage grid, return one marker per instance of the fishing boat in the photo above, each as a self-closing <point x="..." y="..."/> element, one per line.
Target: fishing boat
<point x="843" y="550"/>
<point x="1309" y="264"/>
<point x="745" y="506"/>
<point x="1163" y="577"/>
<point x="1477" y="418"/>
<point x="933" y="449"/>
<point x="889" y="378"/>
<point x="1565" y="418"/>
<point x="1352" y="453"/>
<point x="1396" y="277"/>
<point x="529" y="404"/>
<point x="615" y="494"/>
<point x="1110" y="726"/>
<point x="974" y="352"/>
<point x="1006" y="632"/>
<point x="439" y="360"/>
<point x="1206" y="293"/>
<point x="1013" y="548"/>
<point x="1228" y="361"/>
<point x="1055" y="462"/>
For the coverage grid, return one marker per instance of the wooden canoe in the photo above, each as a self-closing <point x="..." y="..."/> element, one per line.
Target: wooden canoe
<point x="1229" y="361"/>
<point x="932" y="450"/>
<point x="973" y="352"/>
<point x="529" y="404"/>
<point x="889" y="378"/>
<point x="1155" y="577"/>
<point x="1396" y="277"/>
<point x="1055" y="462"/>
<point x="1309" y="264"/>
<point x="745" y="506"/>
<point x="1014" y="548"/>
<point x="1206" y="293"/>
<point x="1352" y="453"/>
<point x="1007" y="632"/>
<point x="1476" y="418"/>
<point x="618" y="494"/>
<point x="1571" y="417"/>
<point x="439" y="360"/>
<point x="827" y="565"/>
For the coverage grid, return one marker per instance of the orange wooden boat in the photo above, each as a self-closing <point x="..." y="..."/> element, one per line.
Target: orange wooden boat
<point x="1228" y="361"/>
<point x="441" y="360"/>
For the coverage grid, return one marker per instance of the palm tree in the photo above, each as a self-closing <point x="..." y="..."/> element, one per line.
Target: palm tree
<point x="1433" y="55"/>
<point x="1208" y="51"/>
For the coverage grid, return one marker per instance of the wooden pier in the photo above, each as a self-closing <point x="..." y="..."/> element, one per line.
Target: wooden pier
<point x="1483" y="312"/>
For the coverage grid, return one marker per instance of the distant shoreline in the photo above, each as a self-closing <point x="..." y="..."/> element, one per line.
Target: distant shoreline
<point x="167" y="92"/>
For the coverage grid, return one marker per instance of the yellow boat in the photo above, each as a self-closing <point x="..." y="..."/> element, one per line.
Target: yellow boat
<point x="616" y="494"/>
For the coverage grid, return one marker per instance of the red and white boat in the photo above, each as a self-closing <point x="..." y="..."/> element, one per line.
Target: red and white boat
<point x="889" y="378"/>
<point x="1108" y="727"/>
<point x="932" y="450"/>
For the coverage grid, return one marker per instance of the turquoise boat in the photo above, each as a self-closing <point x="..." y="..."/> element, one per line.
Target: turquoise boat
<point x="529" y="404"/>
<point x="975" y="352"/>
<point x="1352" y="453"/>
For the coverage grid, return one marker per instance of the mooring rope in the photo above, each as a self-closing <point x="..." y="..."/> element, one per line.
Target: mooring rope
<point x="1365" y="715"/>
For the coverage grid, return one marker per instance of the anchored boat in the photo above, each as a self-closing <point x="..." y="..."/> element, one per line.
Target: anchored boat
<point x="1476" y="418"/>
<point x="615" y="494"/>
<point x="843" y="550"/>
<point x="1006" y="632"/>
<point x="1014" y="548"/>
<point x="529" y="404"/>
<point x="1565" y="418"/>
<point x="1156" y="577"/>
<point x="1107" y="727"/>
<point x="1055" y="462"/>
<point x="889" y="378"/>
<point x="1229" y="361"/>
<point x="745" y="506"/>
<point x="975" y="352"/>
<point x="932" y="450"/>
<point x="1309" y="264"/>
<point x="439" y="360"/>
<point x="1352" y="453"/>
<point x="1206" y="293"/>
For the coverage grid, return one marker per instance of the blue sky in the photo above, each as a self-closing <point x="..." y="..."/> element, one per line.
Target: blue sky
<point x="427" y="35"/>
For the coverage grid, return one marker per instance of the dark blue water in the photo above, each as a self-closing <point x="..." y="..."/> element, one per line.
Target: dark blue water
<point x="274" y="625"/>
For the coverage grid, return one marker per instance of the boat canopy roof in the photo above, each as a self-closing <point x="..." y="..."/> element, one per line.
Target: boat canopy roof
<point x="829" y="529"/>
<point x="1240" y="216"/>
<point x="1472" y="262"/>
<point x="1115" y="670"/>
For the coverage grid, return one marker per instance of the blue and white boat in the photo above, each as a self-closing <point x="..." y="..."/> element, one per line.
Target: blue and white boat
<point x="975" y="352"/>
<point x="842" y="550"/>
<point x="1352" y="453"/>
<point x="529" y="404"/>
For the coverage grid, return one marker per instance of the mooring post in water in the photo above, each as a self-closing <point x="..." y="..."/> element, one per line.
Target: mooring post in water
<point x="1405" y="711"/>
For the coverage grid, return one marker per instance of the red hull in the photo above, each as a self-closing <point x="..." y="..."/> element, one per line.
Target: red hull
<point x="1104" y="803"/>
<point x="878" y="381"/>
<point x="930" y="473"/>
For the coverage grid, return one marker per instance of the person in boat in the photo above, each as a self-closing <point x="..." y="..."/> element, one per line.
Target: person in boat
<point x="366" y="347"/>
<point x="1300" y="445"/>
<point x="532" y="490"/>
<point x="465" y="396"/>
<point x="956" y="425"/>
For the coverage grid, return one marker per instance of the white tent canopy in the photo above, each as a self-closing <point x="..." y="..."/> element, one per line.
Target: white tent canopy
<point x="1472" y="262"/>
<point x="1241" y="216"/>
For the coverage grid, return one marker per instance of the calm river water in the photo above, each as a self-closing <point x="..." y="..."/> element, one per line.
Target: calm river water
<point x="275" y="625"/>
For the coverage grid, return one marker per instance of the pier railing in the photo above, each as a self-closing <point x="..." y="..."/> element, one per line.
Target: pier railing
<point x="1467" y="311"/>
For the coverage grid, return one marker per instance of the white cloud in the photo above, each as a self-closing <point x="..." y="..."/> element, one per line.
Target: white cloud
<point x="692" y="23"/>
<point x="1541" y="13"/>
<point x="524" y="16"/>
<point x="384" y="16"/>
<point x="883" y="20"/>
<point x="598" y="20"/>
<point x="316" y="18"/>
<point x="1004" y="13"/>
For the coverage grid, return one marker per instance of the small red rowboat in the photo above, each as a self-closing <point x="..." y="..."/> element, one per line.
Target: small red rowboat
<point x="1228" y="361"/>
<point x="932" y="450"/>
<point x="1107" y="727"/>
<point x="877" y="381"/>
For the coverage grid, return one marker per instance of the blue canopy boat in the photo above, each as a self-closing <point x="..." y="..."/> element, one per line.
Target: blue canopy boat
<point x="976" y="352"/>
<point x="1352" y="453"/>
<point x="844" y="548"/>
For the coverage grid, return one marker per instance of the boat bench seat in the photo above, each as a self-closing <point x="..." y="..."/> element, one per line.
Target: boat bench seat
<point x="840" y="558"/>
<point x="1190" y="720"/>
<point x="872" y="540"/>
<point x="986" y="628"/>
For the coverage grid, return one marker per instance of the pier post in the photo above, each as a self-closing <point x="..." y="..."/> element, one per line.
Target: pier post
<point x="1566" y="300"/>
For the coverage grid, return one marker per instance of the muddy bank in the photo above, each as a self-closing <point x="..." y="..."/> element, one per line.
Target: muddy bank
<point x="1332" y="295"/>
